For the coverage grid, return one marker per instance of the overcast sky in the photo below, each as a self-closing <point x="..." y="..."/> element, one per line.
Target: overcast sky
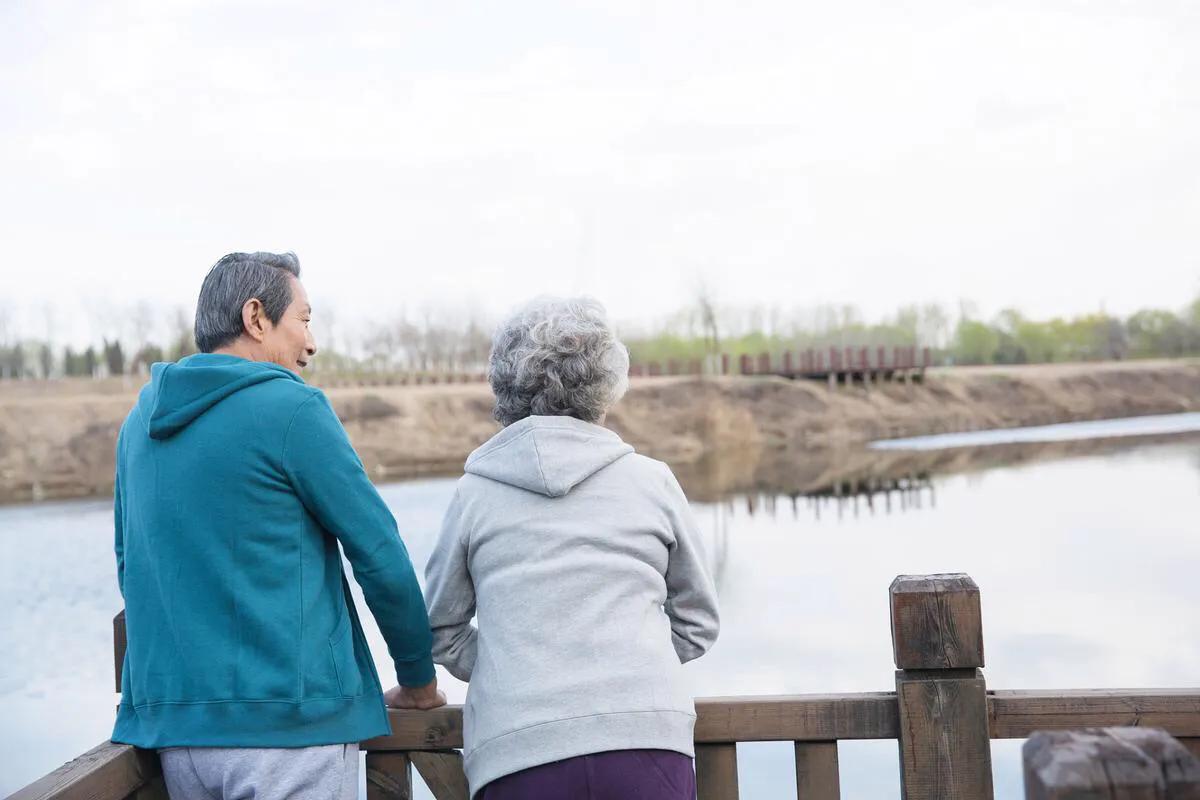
<point x="1038" y="153"/>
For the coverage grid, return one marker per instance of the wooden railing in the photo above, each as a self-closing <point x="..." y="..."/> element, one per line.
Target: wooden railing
<point x="941" y="714"/>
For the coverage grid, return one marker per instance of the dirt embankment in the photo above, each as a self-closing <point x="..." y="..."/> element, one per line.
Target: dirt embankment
<point x="56" y="438"/>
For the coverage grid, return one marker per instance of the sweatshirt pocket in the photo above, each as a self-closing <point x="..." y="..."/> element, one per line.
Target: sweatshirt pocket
<point x="341" y="648"/>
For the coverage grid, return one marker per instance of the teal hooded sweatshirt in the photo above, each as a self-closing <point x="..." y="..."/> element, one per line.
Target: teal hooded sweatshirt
<point x="235" y="482"/>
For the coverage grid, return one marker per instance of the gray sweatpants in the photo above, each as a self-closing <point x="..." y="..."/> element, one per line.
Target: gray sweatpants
<point x="329" y="772"/>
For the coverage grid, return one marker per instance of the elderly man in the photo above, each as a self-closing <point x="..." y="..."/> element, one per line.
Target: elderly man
<point x="247" y="666"/>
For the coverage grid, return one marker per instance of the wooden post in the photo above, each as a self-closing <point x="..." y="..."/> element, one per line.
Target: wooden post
<point x="1109" y="764"/>
<point x="389" y="776"/>
<point x="937" y="641"/>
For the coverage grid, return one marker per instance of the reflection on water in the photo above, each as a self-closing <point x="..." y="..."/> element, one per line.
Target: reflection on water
<point x="1085" y="553"/>
<point x="905" y="493"/>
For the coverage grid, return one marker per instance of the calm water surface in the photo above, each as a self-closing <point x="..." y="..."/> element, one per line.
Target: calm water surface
<point x="1088" y="569"/>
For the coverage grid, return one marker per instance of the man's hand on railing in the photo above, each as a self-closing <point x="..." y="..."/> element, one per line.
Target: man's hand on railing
<point x="421" y="698"/>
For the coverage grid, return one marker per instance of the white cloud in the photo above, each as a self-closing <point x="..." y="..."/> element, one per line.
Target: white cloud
<point x="1036" y="154"/>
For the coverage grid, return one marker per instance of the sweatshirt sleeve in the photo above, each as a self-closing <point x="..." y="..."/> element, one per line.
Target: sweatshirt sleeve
<point x="451" y="597"/>
<point x="691" y="597"/>
<point x="331" y="481"/>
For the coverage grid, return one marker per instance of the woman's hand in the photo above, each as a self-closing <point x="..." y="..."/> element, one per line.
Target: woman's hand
<point x="421" y="698"/>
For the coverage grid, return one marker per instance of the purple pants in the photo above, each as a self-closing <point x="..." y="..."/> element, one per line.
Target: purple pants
<point x="615" y="775"/>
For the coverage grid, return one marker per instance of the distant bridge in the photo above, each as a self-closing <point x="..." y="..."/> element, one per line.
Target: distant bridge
<point x="847" y="364"/>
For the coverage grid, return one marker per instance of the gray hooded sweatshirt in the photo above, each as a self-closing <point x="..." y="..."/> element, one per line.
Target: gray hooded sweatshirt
<point x="582" y="563"/>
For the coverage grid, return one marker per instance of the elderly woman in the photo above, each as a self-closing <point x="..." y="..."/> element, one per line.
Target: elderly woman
<point x="582" y="561"/>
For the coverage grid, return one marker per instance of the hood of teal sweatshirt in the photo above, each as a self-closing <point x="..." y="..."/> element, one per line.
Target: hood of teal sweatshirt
<point x="547" y="455"/>
<point x="179" y="393"/>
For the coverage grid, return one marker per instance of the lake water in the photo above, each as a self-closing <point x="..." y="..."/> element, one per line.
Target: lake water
<point x="1087" y="565"/>
<point x="1155" y="425"/>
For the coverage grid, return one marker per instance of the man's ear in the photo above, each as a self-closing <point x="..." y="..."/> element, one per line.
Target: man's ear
<point x="254" y="319"/>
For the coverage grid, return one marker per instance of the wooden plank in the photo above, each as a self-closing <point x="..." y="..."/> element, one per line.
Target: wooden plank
<point x="1192" y="743"/>
<point x="389" y="776"/>
<point x="817" y="717"/>
<point x="817" y="771"/>
<point x="119" y="643"/>
<point x="106" y="772"/>
<point x="1017" y="714"/>
<point x="442" y="773"/>
<point x="936" y="622"/>
<point x="1109" y="764"/>
<point x="716" y="772"/>
<point x="944" y="746"/>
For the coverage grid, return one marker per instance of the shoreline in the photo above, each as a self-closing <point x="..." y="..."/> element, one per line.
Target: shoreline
<point x="57" y="437"/>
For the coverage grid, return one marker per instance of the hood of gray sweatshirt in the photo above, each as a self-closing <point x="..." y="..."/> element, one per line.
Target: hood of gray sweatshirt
<point x="547" y="455"/>
<point x="567" y="586"/>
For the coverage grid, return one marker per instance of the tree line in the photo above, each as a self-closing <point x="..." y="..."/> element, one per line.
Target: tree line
<point x="965" y="337"/>
<point x="449" y="341"/>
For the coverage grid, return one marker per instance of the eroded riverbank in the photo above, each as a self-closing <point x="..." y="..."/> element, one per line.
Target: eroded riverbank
<point x="56" y="438"/>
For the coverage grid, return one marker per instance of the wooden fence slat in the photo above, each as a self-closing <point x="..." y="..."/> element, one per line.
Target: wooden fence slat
<point x="154" y="789"/>
<point x="716" y="772"/>
<point x="389" y="776"/>
<point x="817" y="771"/>
<point x="442" y="773"/>
<point x="119" y="644"/>
<point x="106" y="772"/>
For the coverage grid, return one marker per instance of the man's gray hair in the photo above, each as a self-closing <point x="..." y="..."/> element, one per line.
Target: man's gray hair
<point x="557" y="357"/>
<point x="234" y="280"/>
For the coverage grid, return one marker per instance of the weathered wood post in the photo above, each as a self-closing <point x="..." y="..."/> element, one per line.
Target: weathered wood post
<point x="937" y="640"/>
<point x="1109" y="764"/>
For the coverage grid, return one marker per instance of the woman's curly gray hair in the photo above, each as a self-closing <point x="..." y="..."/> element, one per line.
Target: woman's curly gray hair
<point x="557" y="357"/>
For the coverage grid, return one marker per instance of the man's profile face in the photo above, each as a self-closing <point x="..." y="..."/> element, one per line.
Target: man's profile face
<point x="289" y="343"/>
